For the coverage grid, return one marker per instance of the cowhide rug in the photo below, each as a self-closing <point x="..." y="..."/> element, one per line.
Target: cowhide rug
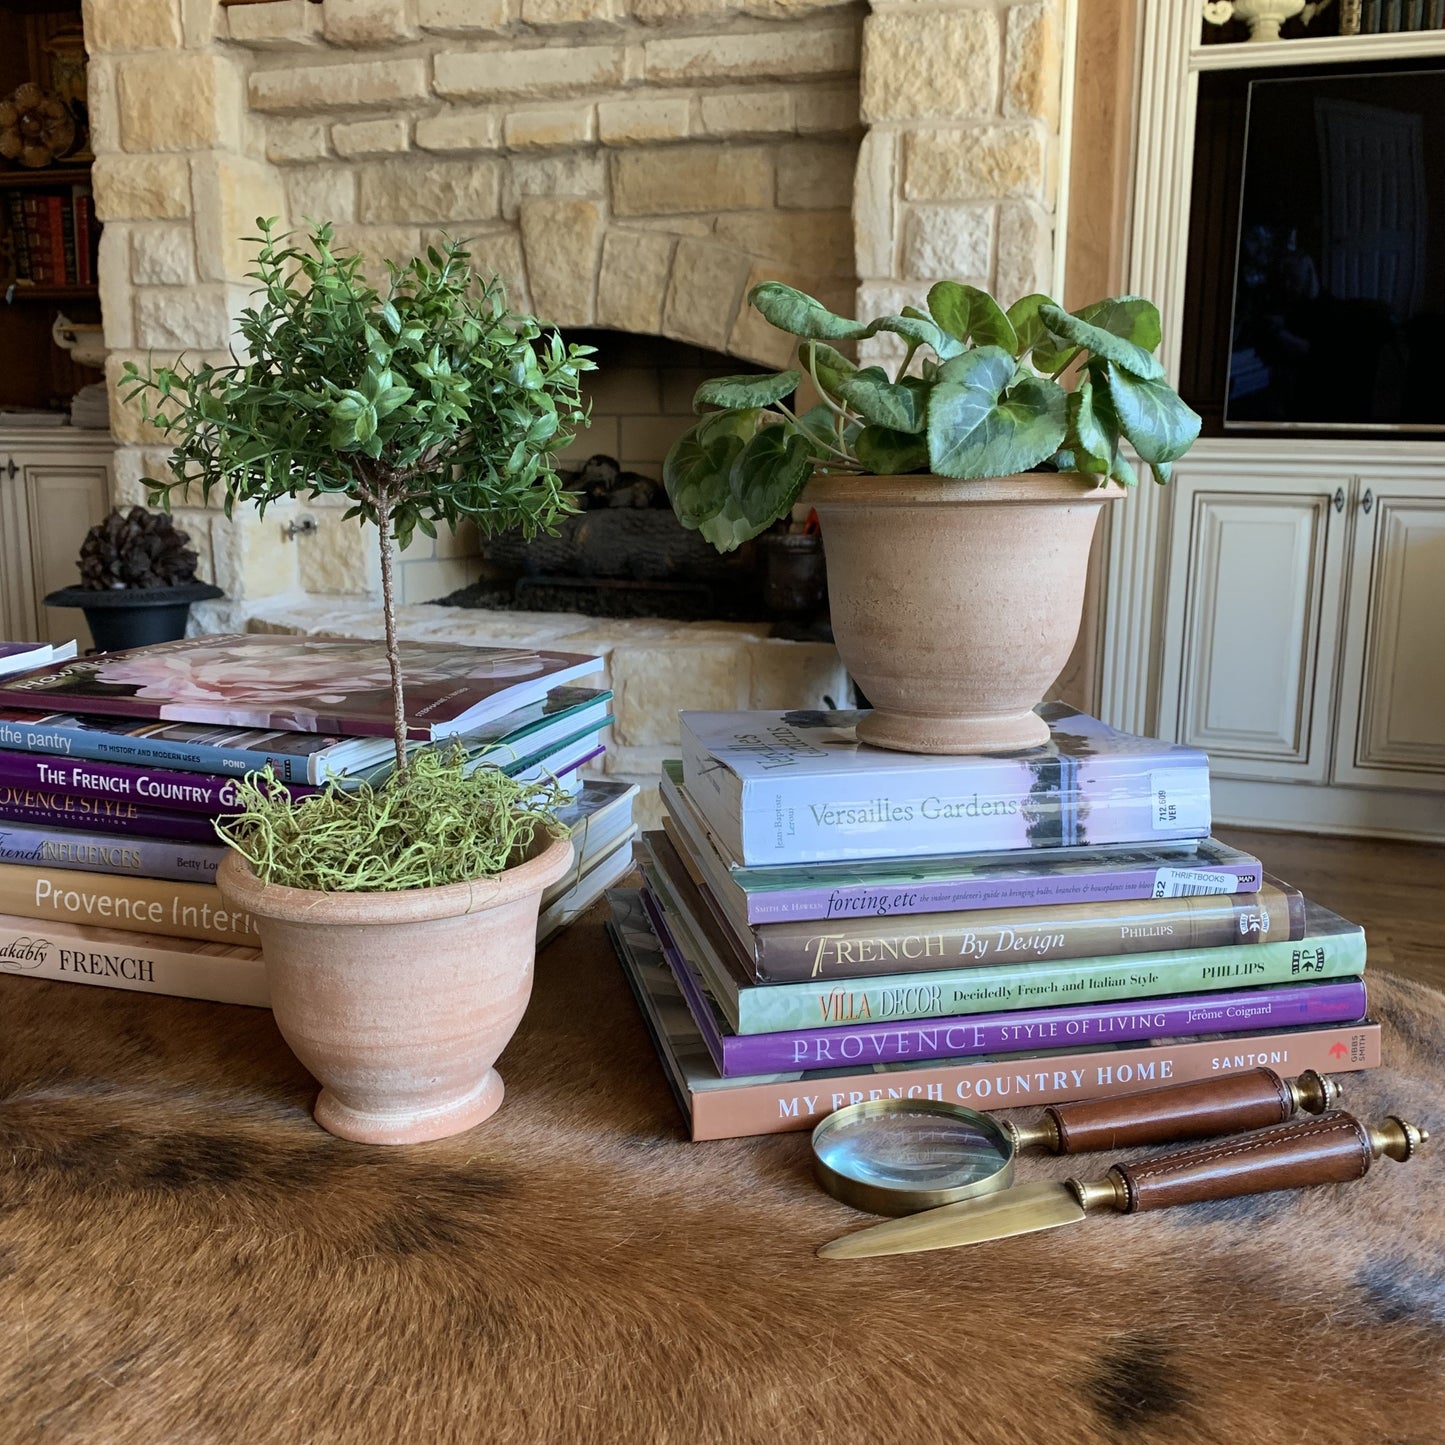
<point x="185" y="1259"/>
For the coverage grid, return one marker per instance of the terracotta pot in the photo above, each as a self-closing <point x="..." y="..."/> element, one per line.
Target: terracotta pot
<point x="400" y="1003"/>
<point x="955" y="604"/>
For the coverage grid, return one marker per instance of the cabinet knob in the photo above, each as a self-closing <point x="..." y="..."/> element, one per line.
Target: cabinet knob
<point x="1339" y="499"/>
<point x="11" y="468"/>
<point x="1367" y="502"/>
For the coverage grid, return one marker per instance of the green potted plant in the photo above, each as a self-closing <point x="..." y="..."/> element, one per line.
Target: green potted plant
<point x="137" y="580"/>
<point x="958" y="495"/>
<point x="397" y="923"/>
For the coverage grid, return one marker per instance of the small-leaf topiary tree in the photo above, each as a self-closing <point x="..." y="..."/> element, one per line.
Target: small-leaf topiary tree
<point x="421" y="402"/>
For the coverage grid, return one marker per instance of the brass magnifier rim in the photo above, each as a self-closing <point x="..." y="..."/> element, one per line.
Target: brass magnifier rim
<point x="895" y="1200"/>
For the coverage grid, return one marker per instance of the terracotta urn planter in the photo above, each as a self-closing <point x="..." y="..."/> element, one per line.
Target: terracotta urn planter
<point x="955" y="604"/>
<point x="400" y="1003"/>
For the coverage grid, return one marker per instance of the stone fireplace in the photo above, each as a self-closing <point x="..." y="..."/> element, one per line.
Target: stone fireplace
<point x="633" y="165"/>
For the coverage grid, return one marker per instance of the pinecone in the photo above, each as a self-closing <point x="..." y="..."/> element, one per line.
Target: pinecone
<point x="136" y="549"/>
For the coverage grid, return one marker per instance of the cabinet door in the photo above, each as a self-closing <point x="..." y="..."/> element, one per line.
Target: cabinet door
<point x="1254" y="595"/>
<point x="63" y="499"/>
<point x="1392" y="683"/>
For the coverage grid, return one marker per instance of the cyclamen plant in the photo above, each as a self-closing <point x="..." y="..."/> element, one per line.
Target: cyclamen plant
<point x="426" y="401"/>
<point x="985" y="399"/>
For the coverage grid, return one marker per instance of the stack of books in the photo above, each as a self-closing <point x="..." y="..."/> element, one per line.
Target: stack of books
<point x="822" y="923"/>
<point x="53" y="237"/>
<point x="114" y="770"/>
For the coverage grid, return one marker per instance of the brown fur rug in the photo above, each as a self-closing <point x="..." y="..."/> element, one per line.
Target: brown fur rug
<point x="186" y="1259"/>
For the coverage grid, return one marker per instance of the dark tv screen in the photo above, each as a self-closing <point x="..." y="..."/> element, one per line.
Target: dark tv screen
<point x="1339" y="286"/>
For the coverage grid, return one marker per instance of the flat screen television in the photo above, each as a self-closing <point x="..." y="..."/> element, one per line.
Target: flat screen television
<point x="1339" y="280"/>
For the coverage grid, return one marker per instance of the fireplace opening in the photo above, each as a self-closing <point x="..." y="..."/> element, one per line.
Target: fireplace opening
<point x="624" y="553"/>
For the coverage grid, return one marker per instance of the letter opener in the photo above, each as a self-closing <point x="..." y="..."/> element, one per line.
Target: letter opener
<point x="1331" y="1148"/>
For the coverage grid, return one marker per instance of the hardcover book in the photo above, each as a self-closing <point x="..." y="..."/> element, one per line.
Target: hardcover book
<point x="1331" y="948"/>
<point x="295" y="758"/>
<point x="1231" y="1011"/>
<point x="717" y="1108"/>
<point x="40" y="845"/>
<point x="26" y="656"/>
<point x="798" y="787"/>
<point x="301" y="684"/>
<point x="46" y="808"/>
<point x="1120" y="872"/>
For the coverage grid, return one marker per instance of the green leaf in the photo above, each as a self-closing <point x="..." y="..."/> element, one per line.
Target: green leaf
<point x="820" y="424"/>
<point x="1090" y="441"/>
<point x="920" y="331"/>
<point x="1159" y="426"/>
<point x="1163" y="472"/>
<point x="732" y="392"/>
<point x="828" y="366"/>
<point x="1028" y="325"/>
<point x="976" y="430"/>
<point x="888" y="453"/>
<point x="967" y="313"/>
<point x="772" y="470"/>
<point x="698" y="466"/>
<point x="1130" y="317"/>
<point x="1102" y="343"/>
<point x="880" y="402"/>
<point x="791" y="310"/>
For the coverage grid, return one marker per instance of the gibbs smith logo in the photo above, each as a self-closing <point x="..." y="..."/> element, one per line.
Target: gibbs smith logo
<point x="21" y="954"/>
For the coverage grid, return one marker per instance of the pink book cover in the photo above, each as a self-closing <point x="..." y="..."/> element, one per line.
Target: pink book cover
<point x="301" y="684"/>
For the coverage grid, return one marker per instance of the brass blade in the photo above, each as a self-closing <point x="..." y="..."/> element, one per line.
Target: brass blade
<point x="1023" y="1210"/>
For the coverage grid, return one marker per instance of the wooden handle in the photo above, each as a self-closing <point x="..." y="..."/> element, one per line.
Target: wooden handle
<point x="1229" y="1104"/>
<point x="1329" y="1149"/>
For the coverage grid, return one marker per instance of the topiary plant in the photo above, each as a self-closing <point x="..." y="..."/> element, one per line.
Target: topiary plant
<point x="987" y="399"/>
<point x="425" y="401"/>
<point x="136" y="548"/>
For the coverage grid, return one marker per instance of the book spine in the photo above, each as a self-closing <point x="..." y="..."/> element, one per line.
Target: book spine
<point x="99" y="853"/>
<point x="992" y="988"/>
<point x="130" y="904"/>
<point x="84" y="206"/>
<point x="36" y="241"/>
<point x="61" y="741"/>
<point x="1124" y="885"/>
<point x="55" y="231"/>
<point x="785" y="1105"/>
<point x="137" y="962"/>
<point x="792" y="952"/>
<point x="67" y="239"/>
<point x="938" y="810"/>
<point x="105" y="815"/>
<point x="19" y="242"/>
<point x="158" y="788"/>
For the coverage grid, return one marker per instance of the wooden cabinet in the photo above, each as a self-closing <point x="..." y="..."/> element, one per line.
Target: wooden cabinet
<point x="1304" y="632"/>
<point x="53" y="489"/>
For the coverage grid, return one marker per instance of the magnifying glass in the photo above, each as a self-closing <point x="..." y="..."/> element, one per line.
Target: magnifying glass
<point x="897" y="1156"/>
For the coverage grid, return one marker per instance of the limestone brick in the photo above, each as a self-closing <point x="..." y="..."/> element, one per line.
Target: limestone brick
<point x="178" y="102"/>
<point x="354" y="84"/>
<point x="340" y="556"/>
<point x="886" y="298"/>
<point x="367" y="22"/>
<point x="1025" y="251"/>
<point x="253" y="556"/>
<point x="121" y="26"/>
<point x="126" y="424"/>
<point x="201" y="23"/>
<point x="117" y="301"/>
<point x="576" y="174"/>
<point x="816" y="175"/>
<point x="704" y="293"/>
<point x="948" y="241"/>
<point x="459" y="130"/>
<point x="560" y="240"/>
<point x="499" y="253"/>
<point x="289" y="142"/>
<point x="324" y="193"/>
<point x="141" y="188"/>
<point x="974" y="164"/>
<point x="693" y="178"/>
<point x="426" y="581"/>
<point x="169" y="318"/>
<point x="162" y="256"/>
<point x="875" y="203"/>
<point x="633" y="280"/>
<point x="755" y="112"/>
<point x="641" y="122"/>
<point x="127" y="477"/>
<point x="793" y="54"/>
<point x="103" y="104"/>
<point x="367" y="139"/>
<point x="753" y="337"/>
<point x="1032" y="68"/>
<point x="819" y="242"/>
<point x="575" y="13"/>
<point x="463" y="17"/>
<point x="543" y="70"/>
<point x="650" y="684"/>
<point x="785" y="675"/>
<point x="378" y="244"/>
<point x="462" y="541"/>
<point x="927" y="65"/>
<point x="415" y="190"/>
<point x="231" y="192"/>
<point x="289" y="25"/>
<point x="826" y="109"/>
<point x="548" y="127"/>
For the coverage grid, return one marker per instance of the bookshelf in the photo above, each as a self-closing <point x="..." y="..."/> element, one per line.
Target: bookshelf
<point x="34" y="371"/>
